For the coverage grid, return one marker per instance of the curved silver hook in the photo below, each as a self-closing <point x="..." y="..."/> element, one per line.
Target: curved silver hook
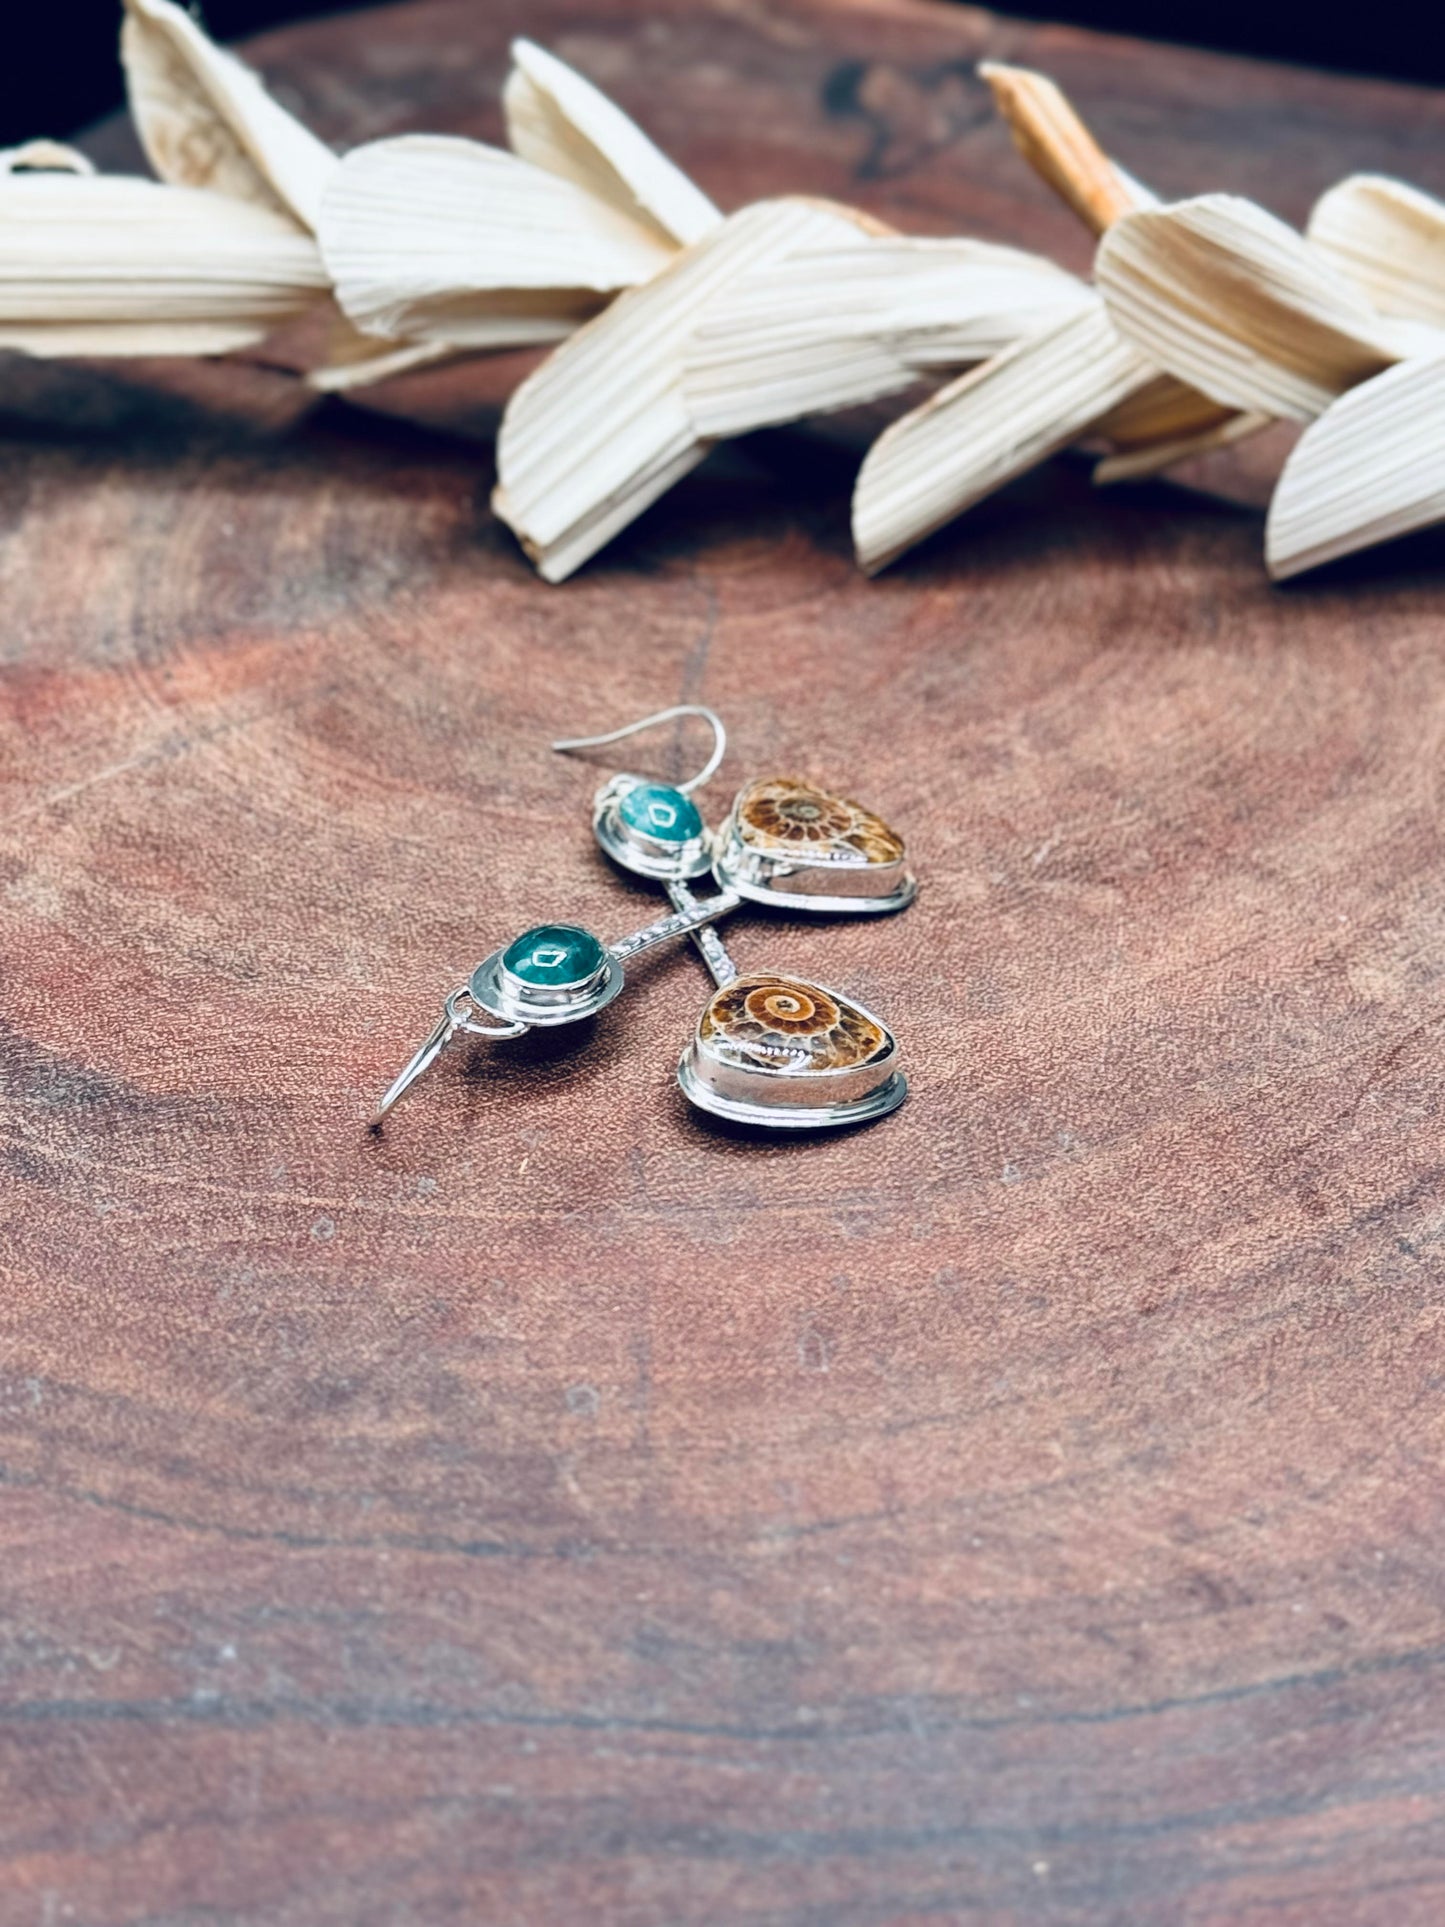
<point x="452" y="1020"/>
<point x="709" y="768"/>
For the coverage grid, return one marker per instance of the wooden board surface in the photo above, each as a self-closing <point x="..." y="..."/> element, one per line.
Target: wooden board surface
<point x="556" y="1510"/>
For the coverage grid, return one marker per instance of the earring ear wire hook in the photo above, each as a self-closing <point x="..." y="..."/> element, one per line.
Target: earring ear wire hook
<point x="456" y="1017"/>
<point x="709" y="716"/>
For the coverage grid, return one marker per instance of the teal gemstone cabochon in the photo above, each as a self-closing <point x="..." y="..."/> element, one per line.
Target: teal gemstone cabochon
<point x="553" y="955"/>
<point x="660" y="812"/>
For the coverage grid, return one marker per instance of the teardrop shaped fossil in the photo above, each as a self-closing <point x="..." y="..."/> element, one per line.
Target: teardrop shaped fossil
<point x="789" y="841"/>
<point x="783" y="1053"/>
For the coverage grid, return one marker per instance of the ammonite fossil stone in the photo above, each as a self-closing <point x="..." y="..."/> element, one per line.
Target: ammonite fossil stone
<point x="787" y="815"/>
<point x="778" y="1023"/>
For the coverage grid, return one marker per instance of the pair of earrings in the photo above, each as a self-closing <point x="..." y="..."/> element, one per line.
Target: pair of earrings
<point x="769" y="1051"/>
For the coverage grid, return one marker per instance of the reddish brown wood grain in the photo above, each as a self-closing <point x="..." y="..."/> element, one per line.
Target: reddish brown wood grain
<point x="557" y="1510"/>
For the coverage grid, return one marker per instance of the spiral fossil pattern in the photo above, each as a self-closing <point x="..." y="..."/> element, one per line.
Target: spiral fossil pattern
<point x="789" y="815"/>
<point x="780" y="1023"/>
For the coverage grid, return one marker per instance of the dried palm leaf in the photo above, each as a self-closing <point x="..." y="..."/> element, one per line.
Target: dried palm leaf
<point x="1153" y="457"/>
<point x="1238" y="305"/>
<point x="1059" y="147"/>
<point x="569" y="128"/>
<point x="1371" y="468"/>
<point x="109" y="265"/>
<point x="1390" y="240"/>
<point x="832" y="327"/>
<point x="354" y="360"/>
<point x="1161" y="425"/>
<point x="206" y="120"/>
<point x="603" y="427"/>
<point x="988" y="427"/>
<point x="958" y="446"/>
<point x="437" y="238"/>
<point x="44" y="157"/>
<point x="1165" y="410"/>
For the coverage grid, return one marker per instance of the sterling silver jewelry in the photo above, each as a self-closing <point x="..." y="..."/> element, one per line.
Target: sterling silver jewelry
<point x="554" y="973"/>
<point x="770" y="1051"/>
<point x="654" y="829"/>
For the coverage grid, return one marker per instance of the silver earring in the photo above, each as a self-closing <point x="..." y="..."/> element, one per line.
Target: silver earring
<point x="554" y="973"/>
<point x="771" y="1051"/>
<point x="654" y="829"/>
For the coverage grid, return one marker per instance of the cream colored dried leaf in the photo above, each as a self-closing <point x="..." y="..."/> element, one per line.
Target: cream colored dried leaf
<point x="1164" y="410"/>
<point x="354" y="360"/>
<point x="562" y="123"/>
<point x="1371" y="468"/>
<point x="1390" y="240"/>
<point x="206" y="120"/>
<point x="1049" y="133"/>
<point x="1153" y="458"/>
<point x="1238" y="305"/>
<point x="44" y="157"/>
<point x="832" y="327"/>
<point x="602" y="429"/>
<point x="440" y="238"/>
<point x="110" y="265"/>
<point x="1167" y="421"/>
<point x="987" y="427"/>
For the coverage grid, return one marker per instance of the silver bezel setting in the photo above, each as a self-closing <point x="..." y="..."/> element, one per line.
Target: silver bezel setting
<point x="799" y="1117"/>
<point x="795" y="1100"/>
<point x="634" y="850"/>
<point x="500" y="993"/>
<point x="809" y="885"/>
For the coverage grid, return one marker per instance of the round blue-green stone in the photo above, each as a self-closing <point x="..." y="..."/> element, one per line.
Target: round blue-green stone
<point x="660" y="812"/>
<point x="554" y="955"/>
